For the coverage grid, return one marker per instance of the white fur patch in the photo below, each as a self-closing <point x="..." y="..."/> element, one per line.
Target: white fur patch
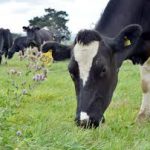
<point x="46" y="28"/>
<point x="84" y="116"/>
<point x="145" y="75"/>
<point x="145" y="106"/>
<point x="84" y="55"/>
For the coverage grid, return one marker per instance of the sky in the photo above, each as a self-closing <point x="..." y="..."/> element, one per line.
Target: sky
<point x="82" y="13"/>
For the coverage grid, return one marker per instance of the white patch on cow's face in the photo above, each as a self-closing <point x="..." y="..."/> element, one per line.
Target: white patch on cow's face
<point x="84" y="55"/>
<point x="84" y="116"/>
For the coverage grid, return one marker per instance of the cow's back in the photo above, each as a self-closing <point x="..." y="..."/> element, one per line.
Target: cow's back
<point x="21" y="41"/>
<point x="45" y="35"/>
<point x="8" y="39"/>
<point x="120" y="13"/>
<point x="1" y="39"/>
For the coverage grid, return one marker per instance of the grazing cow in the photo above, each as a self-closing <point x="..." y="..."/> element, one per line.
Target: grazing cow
<point x="20" y="44"/>
<point x="98" y="54"/>
<point x="58" y="38"/>
<point x="6" y="41"/>
<point x="36" y="36"/>
<point x="59" y="51"/>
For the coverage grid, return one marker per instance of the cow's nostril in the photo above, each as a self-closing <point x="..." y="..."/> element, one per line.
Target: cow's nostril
<point x="84" y="123"/>
<point x="83" y="120"/>
<point x="87" y="124"/>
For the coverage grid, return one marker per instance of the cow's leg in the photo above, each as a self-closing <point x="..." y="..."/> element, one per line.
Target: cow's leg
<point x="6" y="53"/>
<point x="22" y="52"/>
<point x="145" y="84"/>
<point x="4" y="56"/>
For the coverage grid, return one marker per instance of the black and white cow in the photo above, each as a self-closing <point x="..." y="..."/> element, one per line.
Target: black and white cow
<point x="94" y="68"/>
<point x="98" y="54"/>
<point x="57" y="36"/>
<point x="36" y="36"/>
<point x="6" y="41"/>
<point x="59" y="51"/>
<point x="20" y="44"/>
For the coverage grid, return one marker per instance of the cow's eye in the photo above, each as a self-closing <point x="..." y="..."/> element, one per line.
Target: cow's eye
<point x="100" y="70"/>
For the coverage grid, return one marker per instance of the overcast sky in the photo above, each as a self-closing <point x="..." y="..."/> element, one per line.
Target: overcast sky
<point x="82" y="13"/>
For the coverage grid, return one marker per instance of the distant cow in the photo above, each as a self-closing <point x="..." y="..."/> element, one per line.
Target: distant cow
<point x="36" y="36"/>
<point x="6" y="41"/>
<point x="59" y="51"/>
<point x="20" y="44"/>
<point x="58" y="38"/>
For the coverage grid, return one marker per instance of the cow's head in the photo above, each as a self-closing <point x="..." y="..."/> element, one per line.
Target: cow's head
<point x="94" y="67"/>
<point x="32" y="38"/>
<point x="58" y="37"/>
<point x="10" y="53"/>
<point x="12" y="50"/>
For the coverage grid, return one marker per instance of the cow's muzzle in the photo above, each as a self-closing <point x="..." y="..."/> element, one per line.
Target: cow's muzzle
<point x="89" y="123"/>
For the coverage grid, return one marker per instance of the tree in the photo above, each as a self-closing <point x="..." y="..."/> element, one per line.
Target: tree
<point x="54" y="20"/>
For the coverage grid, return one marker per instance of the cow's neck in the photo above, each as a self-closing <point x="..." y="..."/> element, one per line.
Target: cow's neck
<point x="118" y="14"/>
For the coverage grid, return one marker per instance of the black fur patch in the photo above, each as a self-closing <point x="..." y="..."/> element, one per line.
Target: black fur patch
<point x="49" y="45"/>
<point x="87" y="36"/>
<point x="146" y="36"/>
<point x="59" y="51"/>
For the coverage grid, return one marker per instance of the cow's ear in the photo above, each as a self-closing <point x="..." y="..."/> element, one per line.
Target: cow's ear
<point x="25" y="28"/>
<point x="63" y="37"/>
<point x="127" y="38"/>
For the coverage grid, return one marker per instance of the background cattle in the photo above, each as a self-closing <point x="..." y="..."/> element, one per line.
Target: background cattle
<point x="36" y="36"/>
<point x="58" y="37"/>
<point x="59" y="51"/>
<point x="20" y="44"/>
<point x="6" y="41"/>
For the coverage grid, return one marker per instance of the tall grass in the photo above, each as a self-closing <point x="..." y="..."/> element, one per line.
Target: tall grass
<point x="44" y="119"/>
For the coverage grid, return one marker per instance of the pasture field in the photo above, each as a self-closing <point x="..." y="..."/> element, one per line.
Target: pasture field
<point x="43" y="117"/>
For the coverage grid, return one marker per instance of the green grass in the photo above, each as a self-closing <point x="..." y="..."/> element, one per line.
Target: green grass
<point x="44" y="120"/>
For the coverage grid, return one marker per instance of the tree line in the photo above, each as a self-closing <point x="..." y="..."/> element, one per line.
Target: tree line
<point x="54" y="20"/>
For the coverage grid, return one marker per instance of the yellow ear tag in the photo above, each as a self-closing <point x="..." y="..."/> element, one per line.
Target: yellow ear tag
<point x="47" y="58"/>
<point x="127" y="42"/>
